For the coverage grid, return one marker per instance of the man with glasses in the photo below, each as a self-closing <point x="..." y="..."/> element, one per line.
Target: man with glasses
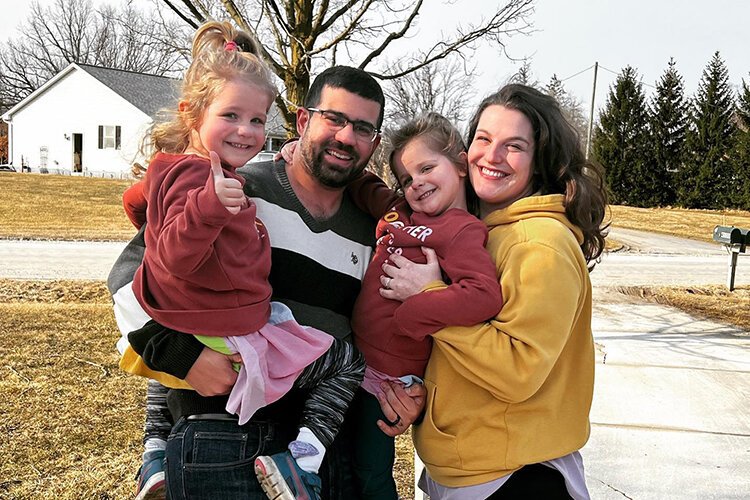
<point x="321" y="246"/>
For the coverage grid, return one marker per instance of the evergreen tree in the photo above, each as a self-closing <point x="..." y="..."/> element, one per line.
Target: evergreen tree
<point x="743" y="107"/>
<point x="570" y="105"/>
<point x="525" y="76"/>
<point x="621" y="139"/>
<point x="707" y="178"/>
<point x="741" y="154"/>
<point x="669" y="120"/>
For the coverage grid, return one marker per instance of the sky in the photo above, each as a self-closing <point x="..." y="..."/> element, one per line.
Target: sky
<point x="571" y="35"/>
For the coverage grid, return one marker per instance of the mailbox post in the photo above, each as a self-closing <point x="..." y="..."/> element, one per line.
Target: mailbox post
<point x="735" y="240"/>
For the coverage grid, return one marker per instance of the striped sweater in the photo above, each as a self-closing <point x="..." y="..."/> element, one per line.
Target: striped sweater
<point x="316" y="270"/>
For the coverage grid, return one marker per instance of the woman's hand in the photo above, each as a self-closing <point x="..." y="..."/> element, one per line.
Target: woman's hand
<point x="402" y="406"/>
<point x="287" y="151"/>
<point x="403" y="278"/>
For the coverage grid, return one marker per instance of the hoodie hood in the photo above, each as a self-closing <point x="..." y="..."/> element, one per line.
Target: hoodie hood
<point x="547" y="206"/>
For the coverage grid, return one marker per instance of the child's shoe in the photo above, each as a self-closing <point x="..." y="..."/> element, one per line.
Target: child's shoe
<point x="150" y="479"/>
<point x="282" y="479"/>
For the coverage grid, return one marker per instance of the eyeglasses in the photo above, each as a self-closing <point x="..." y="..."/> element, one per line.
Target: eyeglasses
<point x="336" y="121"/>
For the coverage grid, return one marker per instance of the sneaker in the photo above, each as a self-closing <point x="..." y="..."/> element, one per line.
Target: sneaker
<point x="150" y="478"/>
<point x="282" y="479"/>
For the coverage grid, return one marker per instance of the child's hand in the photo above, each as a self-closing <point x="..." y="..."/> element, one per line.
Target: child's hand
<point x="229" y="191"/>
<point x="287" y="151"/>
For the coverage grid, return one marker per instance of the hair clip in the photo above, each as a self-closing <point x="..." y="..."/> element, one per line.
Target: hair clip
<point x="231" y="45"/>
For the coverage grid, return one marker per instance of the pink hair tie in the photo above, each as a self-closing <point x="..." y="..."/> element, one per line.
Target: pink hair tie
<point x="231" y="45"/>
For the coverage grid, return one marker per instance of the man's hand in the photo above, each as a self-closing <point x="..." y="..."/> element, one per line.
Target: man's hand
<point x="401" y="406"/>
<point x="229" y="191"/>
<point x="212" y="373"/>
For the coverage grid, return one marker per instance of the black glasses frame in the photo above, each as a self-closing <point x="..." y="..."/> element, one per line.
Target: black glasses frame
<point x="337" y="121"/>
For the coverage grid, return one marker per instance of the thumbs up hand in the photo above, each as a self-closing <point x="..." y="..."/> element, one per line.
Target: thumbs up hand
<point x="228" y="190"/>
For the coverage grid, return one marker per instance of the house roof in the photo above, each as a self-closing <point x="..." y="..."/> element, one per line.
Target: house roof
<point x="151" y="93"/>
<point x="148" y="93"/>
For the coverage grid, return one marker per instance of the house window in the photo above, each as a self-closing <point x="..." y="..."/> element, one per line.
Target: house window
<point x="275" y="143"/>
<point x="109" y="136"/>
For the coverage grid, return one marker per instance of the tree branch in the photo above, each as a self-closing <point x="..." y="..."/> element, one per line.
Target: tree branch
<point x="237" y="16"/>
<point x="512" y="13"/>
<point x="348" y="30"/>
<point x="182" y="16"/>
<point x="393" y="36"/>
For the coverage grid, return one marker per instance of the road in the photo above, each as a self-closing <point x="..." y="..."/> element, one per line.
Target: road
<point x="650" y="259"/>
<point x="32" y="259"/>
<point x="654" y="259"/>
<point x="670" y="417"/>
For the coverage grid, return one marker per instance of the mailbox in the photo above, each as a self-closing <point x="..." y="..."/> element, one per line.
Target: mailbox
<point x="730" y="235"/>
<point x="735" y="240"/>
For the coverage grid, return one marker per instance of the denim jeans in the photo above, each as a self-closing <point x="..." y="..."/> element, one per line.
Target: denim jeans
<point x="213" y="459"/>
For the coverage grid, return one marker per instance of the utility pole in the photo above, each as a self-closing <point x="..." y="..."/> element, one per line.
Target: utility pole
<point x="591" y="112"/>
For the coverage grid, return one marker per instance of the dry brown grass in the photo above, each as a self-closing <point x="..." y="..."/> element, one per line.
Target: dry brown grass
<point x="70" y="420"/>
<point x="57" y="207"/>
<point x="713" y="301"/>
<point x="35" y="206"/>
<point x="693" y="224"/>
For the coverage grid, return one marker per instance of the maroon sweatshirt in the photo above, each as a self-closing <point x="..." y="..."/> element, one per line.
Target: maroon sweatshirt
<point x="205" y="271"/>
<point x="395" y="336"/>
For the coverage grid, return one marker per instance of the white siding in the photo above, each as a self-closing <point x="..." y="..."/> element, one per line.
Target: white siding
<point x="77" y="104"/>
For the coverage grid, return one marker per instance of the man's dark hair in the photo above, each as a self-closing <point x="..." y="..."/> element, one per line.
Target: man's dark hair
<point x="352" y="80"/>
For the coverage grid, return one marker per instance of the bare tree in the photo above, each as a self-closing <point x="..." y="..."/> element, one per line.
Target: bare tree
<point x="444" y="87"/>
<point x="74" y="31"/>
<point x="570" y="104"/>
<point x="300" y="36"/>
<point x="525" y="76"/>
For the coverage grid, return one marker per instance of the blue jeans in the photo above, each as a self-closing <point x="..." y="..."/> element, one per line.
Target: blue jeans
<point x="213" y="459"/>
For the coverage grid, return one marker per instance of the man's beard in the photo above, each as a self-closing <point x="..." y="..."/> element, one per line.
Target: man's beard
<point x="330" y="176"/>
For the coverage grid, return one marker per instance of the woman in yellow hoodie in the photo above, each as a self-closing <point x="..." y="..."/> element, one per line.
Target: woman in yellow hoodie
<point x="508" y="400"/>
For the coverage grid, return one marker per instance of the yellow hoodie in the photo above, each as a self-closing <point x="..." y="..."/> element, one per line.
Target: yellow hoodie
<point x="516" y="390"/>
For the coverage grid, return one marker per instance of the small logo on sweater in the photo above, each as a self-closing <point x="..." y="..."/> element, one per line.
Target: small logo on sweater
<point x="354" y="258"/>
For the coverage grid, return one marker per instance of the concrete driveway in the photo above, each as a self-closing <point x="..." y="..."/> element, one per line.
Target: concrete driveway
<point x="670" y="418"/>
<point x="671" y="414"/>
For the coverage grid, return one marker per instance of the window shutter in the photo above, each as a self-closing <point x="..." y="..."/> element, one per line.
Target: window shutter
<point x="101" y="136"/>
<point x="117" y="137"/>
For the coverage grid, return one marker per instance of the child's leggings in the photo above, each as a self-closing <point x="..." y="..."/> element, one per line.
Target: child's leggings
<point x="158" y="418"/>
<point x="332" y="381"/>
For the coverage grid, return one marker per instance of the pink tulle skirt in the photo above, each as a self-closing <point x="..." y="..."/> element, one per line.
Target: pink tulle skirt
<point x="272" y="359"/>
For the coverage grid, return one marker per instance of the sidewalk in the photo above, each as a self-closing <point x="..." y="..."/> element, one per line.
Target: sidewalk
<point x="670" y="417"/>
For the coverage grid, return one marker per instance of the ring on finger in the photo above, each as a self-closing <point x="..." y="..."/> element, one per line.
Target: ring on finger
<point x="395" y="422"/>
<point x="388" y="283"/>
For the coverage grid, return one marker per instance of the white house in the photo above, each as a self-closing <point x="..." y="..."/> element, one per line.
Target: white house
<point x="91" y="120"/>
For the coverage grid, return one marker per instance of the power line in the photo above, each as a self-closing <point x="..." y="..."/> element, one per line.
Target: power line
<point x="573" y="76"/>
<point x="617" y="74"/>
